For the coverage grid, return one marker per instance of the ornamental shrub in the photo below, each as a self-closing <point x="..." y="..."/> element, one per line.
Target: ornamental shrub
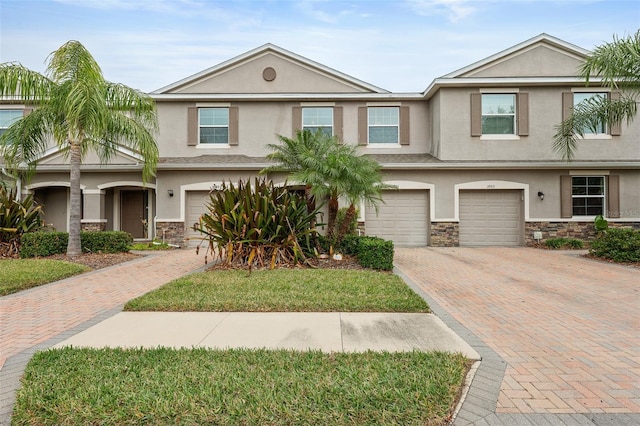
<point x="17" y="217"/>
<point x="618" y="244"/>
<point x="50" y="243"/>
<point x="375" y="253"/>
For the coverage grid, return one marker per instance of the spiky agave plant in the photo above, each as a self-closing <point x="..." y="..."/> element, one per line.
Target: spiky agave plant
<point x="16" y="218"/>
<point x="257" y="226"/>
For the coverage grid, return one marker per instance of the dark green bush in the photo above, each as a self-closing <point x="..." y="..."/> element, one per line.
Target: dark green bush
<point x="617" y="244"/>
<point x="555" y="243"/>
<point x="50" y="243"/>
<point x="375" y="253"/>
<point x="349" y="245"/>
<point x="43" y="244"/>
<point x="105" y="241"/>
<point x="574" y="243"/>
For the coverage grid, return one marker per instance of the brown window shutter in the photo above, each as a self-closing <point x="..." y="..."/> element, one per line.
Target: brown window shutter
<point x="613" y="197"/>
<point x="233" y="126"/>
<point x="27" y="111"/>
<point x="523" y="114"/>
<point x="192" y="124"/>
<point x="567" y="105"/>
<point x="476" y="114"/>
<point x="337" y="123"/>
<point x="566" y="202"/>
<point x="615" y="128"/>
<point x="296" y="120"/>
<point x="363" y="126"/>
<point x="404" y="126"/>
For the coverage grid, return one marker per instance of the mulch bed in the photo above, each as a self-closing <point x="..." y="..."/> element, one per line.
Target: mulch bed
<point x="97" y="260"/>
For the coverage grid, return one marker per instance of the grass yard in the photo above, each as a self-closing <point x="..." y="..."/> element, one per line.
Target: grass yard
<point x="283" y="290"/>
<point x="21" y="274"/>
<point x="199" y="386"/>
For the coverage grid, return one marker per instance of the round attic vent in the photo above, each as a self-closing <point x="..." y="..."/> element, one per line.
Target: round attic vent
<point x="269" y="74"/>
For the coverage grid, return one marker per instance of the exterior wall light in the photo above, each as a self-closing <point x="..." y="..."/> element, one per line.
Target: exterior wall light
<point x="170" y="192"/>
<point x="541" y="195"/>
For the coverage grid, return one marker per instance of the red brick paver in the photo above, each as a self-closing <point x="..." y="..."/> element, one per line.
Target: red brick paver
<point x="34" y="316"/>
<point x="568" y="327"/>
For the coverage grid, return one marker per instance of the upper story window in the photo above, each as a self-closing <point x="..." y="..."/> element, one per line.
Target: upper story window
<point x="498" y="114"/>
<point x="585" y="97"/>
<point x="8" y="117"/>
<point x="587" y="193"/>
<point x="384" y="125"/>
<point x="213" y="125"/>
<point x="318" y="119"/>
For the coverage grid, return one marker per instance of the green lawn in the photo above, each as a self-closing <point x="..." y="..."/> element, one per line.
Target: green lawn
<point x="21" y="274"/>
<point x="283" y="290"/>
<point x="250" y="387"/>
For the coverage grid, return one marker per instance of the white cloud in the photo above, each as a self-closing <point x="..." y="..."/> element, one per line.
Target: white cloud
<point x="454" y="10"/>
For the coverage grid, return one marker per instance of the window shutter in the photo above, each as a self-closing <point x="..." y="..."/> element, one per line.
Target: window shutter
<point x="523" y="114"/>
<point x="337" y="123"/>
<point x="476" y="114"/>
<point x="404" y="126"/>
<point x="192" y="124"/>
<point x="566" y="202"/>
<point x="363" y="128"/>
<point x="615" y="128"/>
<point x="567" y="105"/>
<point x="296" y="120"/>
<point x="233" y="126"/>
<point x="613" y="197"/>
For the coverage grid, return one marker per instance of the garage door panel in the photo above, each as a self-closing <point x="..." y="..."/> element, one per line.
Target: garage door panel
<point x="403" y="218"/>
<point x="196" y="203"/>
<point x="491" y="218"/>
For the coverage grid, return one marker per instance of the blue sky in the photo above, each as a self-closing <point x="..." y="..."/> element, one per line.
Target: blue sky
<point x="398" y="45"/>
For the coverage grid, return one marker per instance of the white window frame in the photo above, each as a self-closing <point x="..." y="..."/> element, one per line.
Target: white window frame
<point x="396" y="125"/>
<point x="587" y="134"/>
<point x="602" y="196"/>
<point x="219" y="126"/>
<point x="317" y="126"/>
<point x="16" y="110"/>
<point x="514" y="114"/>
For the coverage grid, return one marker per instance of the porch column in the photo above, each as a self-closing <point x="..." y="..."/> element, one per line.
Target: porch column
<point x="93" y="217"/>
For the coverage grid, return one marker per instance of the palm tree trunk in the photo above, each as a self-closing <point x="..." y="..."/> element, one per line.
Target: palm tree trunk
<point x="75" y="198"/>
<point x="349" y="217"/>
<point x="333" y="213"/>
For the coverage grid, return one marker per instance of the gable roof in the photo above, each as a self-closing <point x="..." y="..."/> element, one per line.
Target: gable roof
<point x="328" y="72"/>
<point x="542" y="39"/>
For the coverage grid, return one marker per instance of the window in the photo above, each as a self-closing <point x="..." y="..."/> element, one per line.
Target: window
<point x="213" y="125"/>
<point x="384" y="125"/>
<point x="8" y="117"/>
<point x="587" y="193"/>
<point x="318" y="118"/>
<point x="580" y="97"/>
<point x="499" y="114"/>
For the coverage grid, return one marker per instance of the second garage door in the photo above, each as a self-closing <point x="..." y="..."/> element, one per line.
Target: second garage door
<point x="403" y="218"/>
<point x="196" y="205"/>
<point x="491" y="218"/>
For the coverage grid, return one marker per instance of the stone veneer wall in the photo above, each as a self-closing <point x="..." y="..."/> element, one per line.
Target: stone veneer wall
<point x="580" y="230"/>
<point x="93" y="226"/>
<point x="172" y="232"/>
<point x="445" y="234"/>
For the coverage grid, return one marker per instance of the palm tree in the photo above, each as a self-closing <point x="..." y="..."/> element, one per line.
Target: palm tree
<point x="80" y="111"/>
<point x="329" y="170"/>
<point x="618" y="65"/>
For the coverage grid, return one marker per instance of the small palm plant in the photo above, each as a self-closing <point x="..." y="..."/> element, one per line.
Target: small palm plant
<point x="16" y="218"/>
<point x="260" y="225"/>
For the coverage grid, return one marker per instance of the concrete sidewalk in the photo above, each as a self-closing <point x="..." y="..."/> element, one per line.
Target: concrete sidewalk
<point x="326" y="331"/>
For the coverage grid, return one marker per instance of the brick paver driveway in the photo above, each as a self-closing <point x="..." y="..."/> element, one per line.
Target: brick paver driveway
<point x="567" y="327"/>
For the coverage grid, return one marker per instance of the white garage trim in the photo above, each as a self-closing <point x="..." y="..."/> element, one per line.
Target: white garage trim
<point x="410" y="184"/>
<point x="488" y="185"/>
<point x="127" y="183"/>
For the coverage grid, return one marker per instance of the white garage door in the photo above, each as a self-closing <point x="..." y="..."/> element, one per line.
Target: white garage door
<point x="196" y="205"/>
<point x="403" y="218"/>
<point x="491" y="218"/>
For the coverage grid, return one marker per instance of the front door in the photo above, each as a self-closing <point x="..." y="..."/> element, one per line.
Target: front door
<point x="133" y="214"/>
